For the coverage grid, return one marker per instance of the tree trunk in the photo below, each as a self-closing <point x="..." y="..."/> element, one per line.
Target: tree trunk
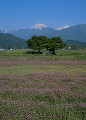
<point x="53" y="52"/>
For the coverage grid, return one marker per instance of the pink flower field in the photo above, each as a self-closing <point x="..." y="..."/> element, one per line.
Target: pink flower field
<point x="44" y="95"/>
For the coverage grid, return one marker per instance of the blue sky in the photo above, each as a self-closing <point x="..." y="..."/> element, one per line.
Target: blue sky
<point x="53" y="13"/>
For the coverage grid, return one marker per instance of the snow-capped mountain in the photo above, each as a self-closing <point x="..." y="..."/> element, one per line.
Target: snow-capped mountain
<point x="64" y="27"/>
<point x="38" y="26"/>
<point x="77" y="32"/>
<point x="35" y="27"/>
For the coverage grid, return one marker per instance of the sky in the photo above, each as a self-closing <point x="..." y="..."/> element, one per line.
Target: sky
<point x="52" y="13"/>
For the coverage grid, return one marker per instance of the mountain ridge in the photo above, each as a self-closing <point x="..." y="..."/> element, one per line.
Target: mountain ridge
<point x="76" y="32"/>
<point x="8" y="40"/>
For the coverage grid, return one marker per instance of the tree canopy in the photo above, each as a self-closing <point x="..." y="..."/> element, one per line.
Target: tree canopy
<point x="42" y="42"/>
<point x="37" y="42"/>
<point x="54" y="43"/>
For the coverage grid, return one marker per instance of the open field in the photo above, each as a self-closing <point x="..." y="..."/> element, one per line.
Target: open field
<point x="43" y="87"/>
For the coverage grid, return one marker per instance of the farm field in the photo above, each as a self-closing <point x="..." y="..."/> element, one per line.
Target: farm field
<point x="43" y="87"/>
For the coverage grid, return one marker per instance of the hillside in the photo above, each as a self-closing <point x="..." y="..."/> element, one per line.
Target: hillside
<point x="77" y="32"/>
<point x="74" y="42"/>
<point x="8" y="40"/>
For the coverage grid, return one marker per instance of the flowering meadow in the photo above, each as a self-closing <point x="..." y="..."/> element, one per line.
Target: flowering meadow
<point x="43" y="87"/>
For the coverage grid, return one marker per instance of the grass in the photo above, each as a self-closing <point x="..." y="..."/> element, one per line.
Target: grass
<point x="26" y="52"/>
<point x="24" y="69"/>
<point x="43" y="87"/>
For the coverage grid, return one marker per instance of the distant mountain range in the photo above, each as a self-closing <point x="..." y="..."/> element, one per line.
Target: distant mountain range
<point x="77" y="32"/>
<point x="10" y="41"/>
<point x="17" y="37"/>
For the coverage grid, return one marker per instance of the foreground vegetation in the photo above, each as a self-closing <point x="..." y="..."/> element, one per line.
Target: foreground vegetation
<point x="43" y="87"/>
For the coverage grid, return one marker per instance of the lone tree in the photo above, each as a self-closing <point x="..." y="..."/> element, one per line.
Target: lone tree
<point x="40" y="42"/>
<point x="54" y="43"/>
<point x="37" y="42"/>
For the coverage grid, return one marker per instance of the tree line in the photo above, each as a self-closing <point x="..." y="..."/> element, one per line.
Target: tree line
<point x="42" y="42"/>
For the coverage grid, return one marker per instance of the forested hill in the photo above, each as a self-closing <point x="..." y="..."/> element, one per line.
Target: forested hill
<point x="74" y="42"/>
<point x="8" y="40"/>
